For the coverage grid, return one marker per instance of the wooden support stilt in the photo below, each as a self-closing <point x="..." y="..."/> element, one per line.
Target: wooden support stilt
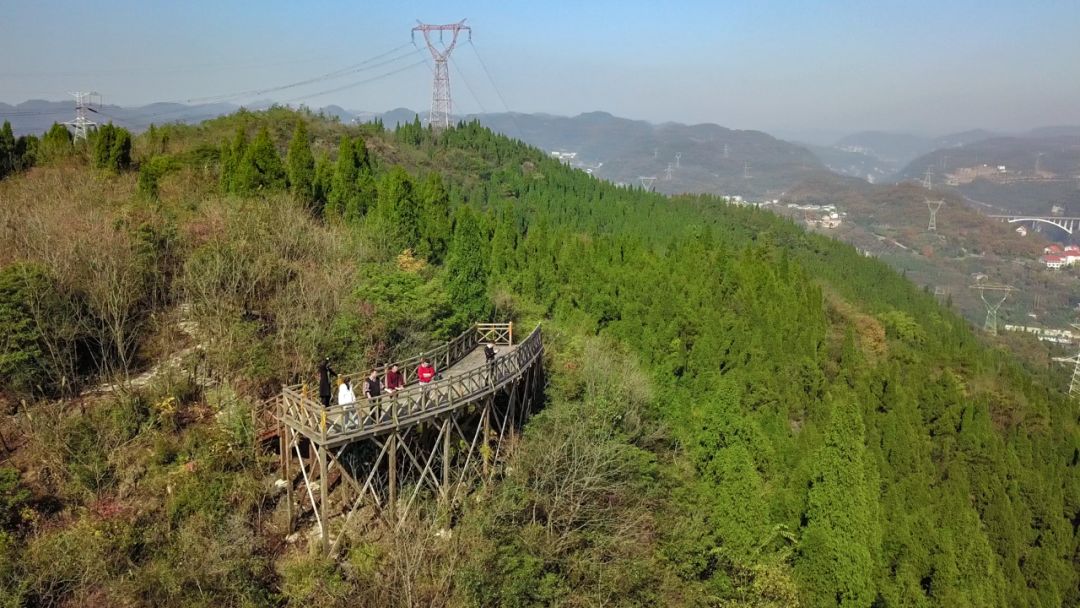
<point x="485" y="447"/>
<point x="445" y="489"/>
<point x="392" y="503"/>
<point x="286" y="456"/>
<point x="324" y="537"/>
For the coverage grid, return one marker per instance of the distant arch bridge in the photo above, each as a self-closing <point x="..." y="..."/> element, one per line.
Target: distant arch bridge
<point x="1068" y="224"/>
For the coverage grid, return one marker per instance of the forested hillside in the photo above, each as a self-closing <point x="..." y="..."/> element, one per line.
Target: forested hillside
<point x="738" y="413"/>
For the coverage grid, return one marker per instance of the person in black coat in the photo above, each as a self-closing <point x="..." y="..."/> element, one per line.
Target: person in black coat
<point x="325" y="371"/>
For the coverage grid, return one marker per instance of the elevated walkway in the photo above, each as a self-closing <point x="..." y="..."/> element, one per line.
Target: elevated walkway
<point x="372" y="451"/>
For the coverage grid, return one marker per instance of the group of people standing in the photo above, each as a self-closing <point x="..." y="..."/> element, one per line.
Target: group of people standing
<point x="374" y="386"/>
<point x="393" y="381"/>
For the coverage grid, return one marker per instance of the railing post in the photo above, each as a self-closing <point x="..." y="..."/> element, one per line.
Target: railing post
<point x="510" y="333"/>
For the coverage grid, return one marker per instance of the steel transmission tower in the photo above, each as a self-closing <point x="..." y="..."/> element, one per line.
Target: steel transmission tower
<point x="678" y="157"/>
<point x="999" y="294"/>
<point x="1074" y="383"/>
<point x="441" y="105"/>
<point x="928" y="181"/>
<point x="81" y="125"/>
<point x="667" y="173"/>
<point x="933" y="206"/>
<point x="647" y="182"/>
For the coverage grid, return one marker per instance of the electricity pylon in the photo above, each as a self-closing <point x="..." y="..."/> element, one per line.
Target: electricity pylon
<point x="667" y="173"/>
<point x="928" y="182"/>
<point x="933" y="206"/>
<point x="993" y="304"/>
<point x="746" y="170"/>
<point x="1074" y="383"/>
<point x="81" y="125"/>
<point x="647" y="182"/>
<point x="678" y="156"/>
<point x="441" y="105"/>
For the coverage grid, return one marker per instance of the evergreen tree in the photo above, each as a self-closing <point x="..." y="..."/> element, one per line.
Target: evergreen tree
<point x="841" y="536"/>
<point x="7" y="150"/>
<point x="120" y="151"/>
<point x="434" y="218"/>
<point x="301" y="165"/>
<point x="56" y="144"/>
<point x="27" y="151"/>
<point x="261" y="168"/>
<point x="321" y="183"/>
<point x="101" y="144"/>
<point x="231" y="155"/>
<point x="466" y="272"/>
<point x="343" y="187"/>
<point x="396" y="217"/>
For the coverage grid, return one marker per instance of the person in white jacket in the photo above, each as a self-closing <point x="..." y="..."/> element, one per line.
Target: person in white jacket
<point x="345" y="396"/>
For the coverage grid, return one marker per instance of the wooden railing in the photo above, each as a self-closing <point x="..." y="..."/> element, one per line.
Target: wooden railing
<point x="442" y="356"/>
<point x="340" y="424"/>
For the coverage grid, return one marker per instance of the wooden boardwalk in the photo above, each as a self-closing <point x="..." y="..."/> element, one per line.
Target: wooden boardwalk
<point x="425" y="437"/>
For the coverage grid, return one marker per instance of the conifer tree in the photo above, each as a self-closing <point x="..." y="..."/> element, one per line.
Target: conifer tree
<point x="434" y="218"/>
<point x="231" y="155"/>
<point x="261" y="168"/>
<point x="7" y="150"/>
<point x="841" y="536"/>
<point x="466" y="272"/>
<point x="56" y="143"/>
<point x="396" y="217"/>
<point x="343" y="184"/>
<point x="120" y="150"/>
<point x="321" y="183"/>
<point x="102" y="146"/>
<point x="301" y="164"/>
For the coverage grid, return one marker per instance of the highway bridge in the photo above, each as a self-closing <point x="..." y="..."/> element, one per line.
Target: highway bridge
<point x="1068" y="224"/>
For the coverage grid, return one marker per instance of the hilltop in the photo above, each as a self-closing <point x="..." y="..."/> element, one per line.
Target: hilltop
<point x="738" y="412"/>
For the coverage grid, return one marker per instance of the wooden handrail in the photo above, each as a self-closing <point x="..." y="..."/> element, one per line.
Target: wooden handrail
<point x="415" y="403"/>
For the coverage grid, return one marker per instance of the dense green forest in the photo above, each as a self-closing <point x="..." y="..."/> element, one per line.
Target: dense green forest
<point x="738" y="413"/>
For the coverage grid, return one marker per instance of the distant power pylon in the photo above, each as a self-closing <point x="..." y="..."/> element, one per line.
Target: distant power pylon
<point x="928" y="182"/>
<point x="647" y="182"/>
<point x="727" y="151"/>
<point x="940" y="293"/>
<point x="1000" y="293"/>
<point x="1074" y="383"/>
<point x="667" y="173"/>
<point x="441" y="106"/>
<point x="83" y="104"/>
<point x="746" y="170"/>
<point x="933" y="206"/>
<point x="678" y="155"/>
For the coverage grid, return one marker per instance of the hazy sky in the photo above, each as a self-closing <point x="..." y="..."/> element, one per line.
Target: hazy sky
<point x="785" y="67"/>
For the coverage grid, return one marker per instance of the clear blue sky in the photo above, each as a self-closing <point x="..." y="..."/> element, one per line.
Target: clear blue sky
<point x="785" y="67"/>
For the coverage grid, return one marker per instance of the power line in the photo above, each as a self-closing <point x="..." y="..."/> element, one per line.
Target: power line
<point x="359" y="67"/>
<point x="502" y="99"/>
<point x="358" y="83"/>
<point x="468" y="86"/>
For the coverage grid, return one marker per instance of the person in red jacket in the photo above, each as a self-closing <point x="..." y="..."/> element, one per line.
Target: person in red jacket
<point x="425" y="372"/>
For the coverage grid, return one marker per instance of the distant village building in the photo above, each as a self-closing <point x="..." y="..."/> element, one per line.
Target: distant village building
<point x="1022" y="231"/>
<point x="1058" y="256"/>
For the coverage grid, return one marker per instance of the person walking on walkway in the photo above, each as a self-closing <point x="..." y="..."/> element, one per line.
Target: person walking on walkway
<point x="325" y="371"/>
<point x="489" y="354"/>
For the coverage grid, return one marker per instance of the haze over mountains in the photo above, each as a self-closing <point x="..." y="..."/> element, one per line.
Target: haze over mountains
<point x="713" y="158"/>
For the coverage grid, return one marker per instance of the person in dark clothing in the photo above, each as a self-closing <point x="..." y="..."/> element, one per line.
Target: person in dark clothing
<point x="325" y="372"/>
<point x="395" y="380"/>
<point x="372" y="386"/>
<point x="490" y="354"/>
